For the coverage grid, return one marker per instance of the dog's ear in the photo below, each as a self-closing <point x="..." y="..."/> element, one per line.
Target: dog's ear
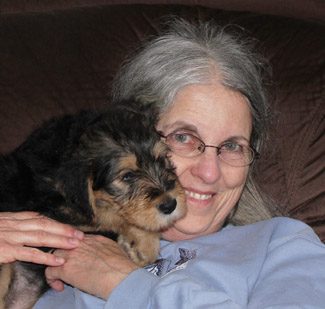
<point x="149" y="111"/>
<point x="102" y="170"/>
<point x="100" y="173"/>
<point x="74" y="178"/>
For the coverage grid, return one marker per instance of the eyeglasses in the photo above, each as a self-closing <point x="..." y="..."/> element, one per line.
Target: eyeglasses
<point x="187" y="145"/>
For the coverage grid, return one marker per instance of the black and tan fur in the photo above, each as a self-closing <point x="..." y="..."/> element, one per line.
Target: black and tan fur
<point x="99" y="171"/>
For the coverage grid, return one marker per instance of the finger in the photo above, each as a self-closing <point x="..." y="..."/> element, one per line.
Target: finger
<point x="52" y="226"/>
<point x="32" y="255"/>
<point x="57" y="285"/>
<point x="21" y="215"/>
<point x="39" y="257"/>
<point x="52" y="275"/>
<point x="40" y="239"/>
<point x="29" y="222"/>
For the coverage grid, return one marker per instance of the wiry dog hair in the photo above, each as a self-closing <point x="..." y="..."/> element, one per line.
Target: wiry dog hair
<point x="99" y="171"/>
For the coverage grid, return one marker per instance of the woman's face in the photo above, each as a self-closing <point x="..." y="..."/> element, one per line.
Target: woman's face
<point x="214" y="114"/>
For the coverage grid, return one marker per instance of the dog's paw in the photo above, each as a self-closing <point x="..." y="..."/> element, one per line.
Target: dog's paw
<point x="131" y="248"/>
<point x="141" y="251"/>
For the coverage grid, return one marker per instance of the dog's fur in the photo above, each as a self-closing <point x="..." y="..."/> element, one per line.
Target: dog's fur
<point x="99" y="171"/>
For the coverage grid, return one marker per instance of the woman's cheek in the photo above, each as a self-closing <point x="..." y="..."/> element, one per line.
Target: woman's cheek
<point x="181" y="164"/>
<point x="234" y="176"/>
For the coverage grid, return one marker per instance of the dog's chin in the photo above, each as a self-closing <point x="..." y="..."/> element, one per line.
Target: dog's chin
<point x="163" y="221"/>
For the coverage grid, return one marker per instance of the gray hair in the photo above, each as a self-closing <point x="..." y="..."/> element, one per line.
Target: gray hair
<point x="187" y="54"/>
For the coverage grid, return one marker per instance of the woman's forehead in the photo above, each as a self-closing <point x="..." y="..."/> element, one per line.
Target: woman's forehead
<point x="206" y="109"/>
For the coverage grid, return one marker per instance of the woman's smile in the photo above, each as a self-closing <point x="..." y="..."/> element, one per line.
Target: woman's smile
<point x="191" y="195"/>
<point x="198" y="201"/>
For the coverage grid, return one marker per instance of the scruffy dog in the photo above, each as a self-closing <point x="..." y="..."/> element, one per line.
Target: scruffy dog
<point x="99" y="171"/>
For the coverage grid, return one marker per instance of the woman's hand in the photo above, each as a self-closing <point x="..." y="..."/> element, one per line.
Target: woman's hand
<point x="96" y="266"/>
<point x="21" y="232"/>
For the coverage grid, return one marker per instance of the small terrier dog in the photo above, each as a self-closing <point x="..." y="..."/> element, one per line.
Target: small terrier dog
<point x="102" y="172"/>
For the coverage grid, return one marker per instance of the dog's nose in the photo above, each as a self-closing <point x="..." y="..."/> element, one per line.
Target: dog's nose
<point x="167" y="207"/>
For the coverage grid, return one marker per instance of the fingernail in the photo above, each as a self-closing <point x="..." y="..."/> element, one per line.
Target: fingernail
<point x="79" y="234"/>
<point x="59" y="260"/>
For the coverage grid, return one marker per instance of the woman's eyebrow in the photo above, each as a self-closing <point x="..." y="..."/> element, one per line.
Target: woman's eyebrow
<point x="237" y="138"/>
<point x="181" y="125"/>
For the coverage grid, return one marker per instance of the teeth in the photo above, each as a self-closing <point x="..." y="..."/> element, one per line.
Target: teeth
<point x="198" y="196"/>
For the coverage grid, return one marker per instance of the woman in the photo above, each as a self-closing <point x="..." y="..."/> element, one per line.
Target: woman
<point x="214" y="112"/>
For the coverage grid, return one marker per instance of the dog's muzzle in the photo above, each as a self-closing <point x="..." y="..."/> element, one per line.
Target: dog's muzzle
<point x="168" y="207"/>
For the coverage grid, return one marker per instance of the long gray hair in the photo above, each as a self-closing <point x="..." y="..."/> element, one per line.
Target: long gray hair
<point x="187" y="54"/>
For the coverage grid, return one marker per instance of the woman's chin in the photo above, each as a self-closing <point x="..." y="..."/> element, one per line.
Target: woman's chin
<point x="185" y="229"/>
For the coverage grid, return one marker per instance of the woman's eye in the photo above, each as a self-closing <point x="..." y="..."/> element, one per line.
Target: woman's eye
<point x="184" y="138"/>
<point x="128" y="176"/>
<point x="181" y="138"/>
<point x="231" y="146"/>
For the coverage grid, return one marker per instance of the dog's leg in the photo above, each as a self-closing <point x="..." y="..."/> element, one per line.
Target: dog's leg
<point x="5" y="279"/>
<point x="141" y="246"/>
<point x="21" y="286"/>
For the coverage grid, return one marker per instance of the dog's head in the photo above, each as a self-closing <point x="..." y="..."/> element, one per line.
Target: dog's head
<point x="129" y="174"/>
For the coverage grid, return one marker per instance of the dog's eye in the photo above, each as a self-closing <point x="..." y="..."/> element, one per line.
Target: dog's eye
<point x="128" y="176"/>
<point x="153" y="193"/>
<point x="170" y="185"/>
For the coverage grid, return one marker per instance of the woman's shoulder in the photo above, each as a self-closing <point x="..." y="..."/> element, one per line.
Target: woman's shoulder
<point x="291" y="230"/>
<point x="286" y="225"/>
<point x="280" y="227"/>
<point x="274" y="232"/>
<point x="277" y="226"/>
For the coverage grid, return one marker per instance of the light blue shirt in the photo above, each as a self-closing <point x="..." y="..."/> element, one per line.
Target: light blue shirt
<point x="278" y="263"/>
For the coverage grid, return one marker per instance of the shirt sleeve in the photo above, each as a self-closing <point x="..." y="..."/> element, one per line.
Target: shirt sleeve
<point x="293" y="274"/>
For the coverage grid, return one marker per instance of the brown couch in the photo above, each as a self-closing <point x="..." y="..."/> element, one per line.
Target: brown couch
<point x="58" y="57"/>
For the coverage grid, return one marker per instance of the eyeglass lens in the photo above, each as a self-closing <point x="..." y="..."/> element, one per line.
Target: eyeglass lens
<point x="188" y="145"/>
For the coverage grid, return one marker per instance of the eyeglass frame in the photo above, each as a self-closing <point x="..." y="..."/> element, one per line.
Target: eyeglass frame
<point x="255" y="154"/>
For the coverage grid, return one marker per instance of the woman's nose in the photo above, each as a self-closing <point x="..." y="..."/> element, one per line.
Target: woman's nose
<point x="207" y="166"/>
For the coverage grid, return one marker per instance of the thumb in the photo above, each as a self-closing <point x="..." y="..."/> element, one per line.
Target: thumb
<point x="51" y="280"/>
